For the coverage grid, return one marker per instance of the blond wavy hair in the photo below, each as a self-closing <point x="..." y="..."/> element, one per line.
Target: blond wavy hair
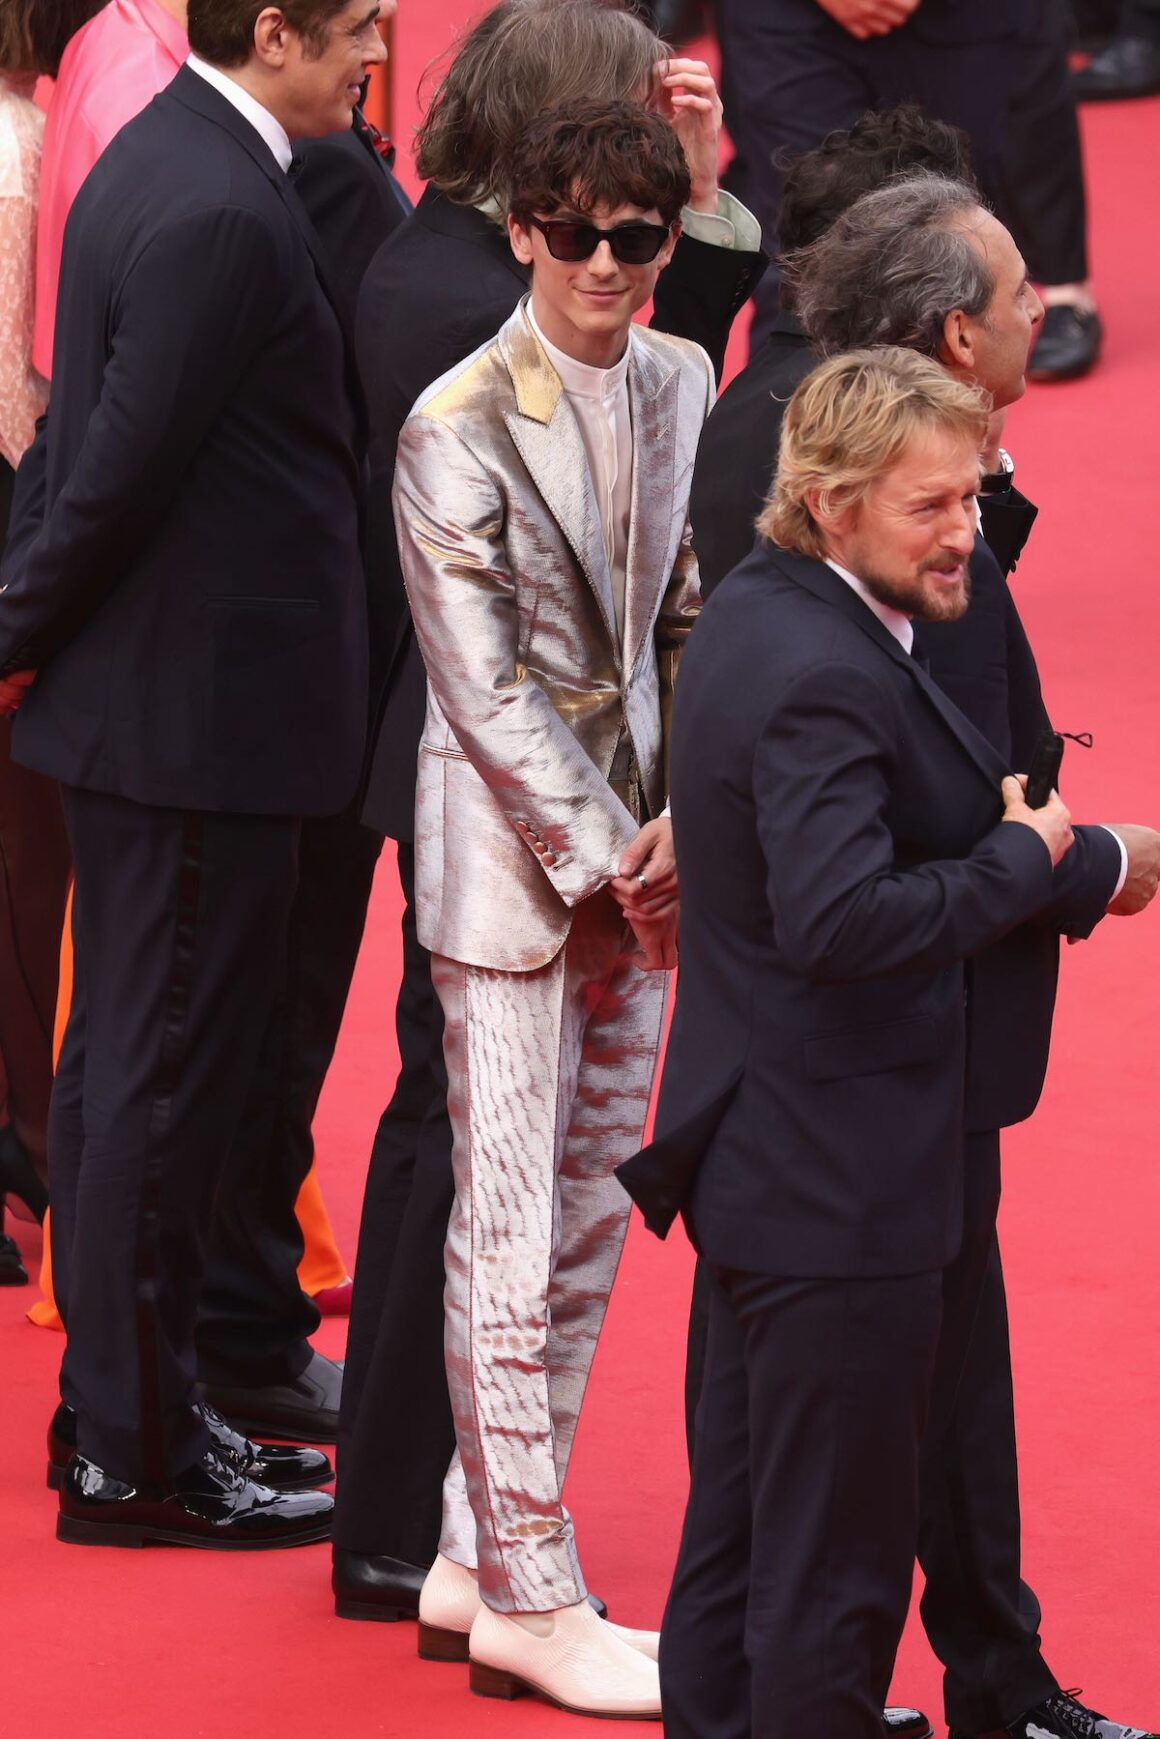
<point x="848" y="423"/>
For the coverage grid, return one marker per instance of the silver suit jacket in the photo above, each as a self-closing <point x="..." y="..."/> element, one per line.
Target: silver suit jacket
<point x="529" y="689"/>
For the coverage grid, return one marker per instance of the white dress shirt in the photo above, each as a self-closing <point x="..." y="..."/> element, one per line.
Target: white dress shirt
<point x="599" y="398"/>
<point x="263" y="122"/>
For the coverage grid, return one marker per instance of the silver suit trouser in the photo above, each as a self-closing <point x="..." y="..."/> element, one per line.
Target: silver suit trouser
<point x="549" y="1077"/>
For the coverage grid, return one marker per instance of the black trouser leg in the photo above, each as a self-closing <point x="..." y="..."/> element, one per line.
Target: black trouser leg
<point x="34" y="875"/>
<point x="396" y="1435"/>
<point x="981" y="1618"/>
<point x="255" y="1320"/>
<point x="181" y="922"/>
<point x="831" y="1380"/>
<point x="1042" y="197"/>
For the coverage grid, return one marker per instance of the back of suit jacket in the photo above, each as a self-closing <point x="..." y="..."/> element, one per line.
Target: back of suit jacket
<point x="194" y="599"/>
<point x="840" y="848"/>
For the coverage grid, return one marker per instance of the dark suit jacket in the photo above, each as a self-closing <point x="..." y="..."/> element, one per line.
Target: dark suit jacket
<point x="841" y="854"/>
<point x="193" y="594"/>
<point x="984" y="662"/>
<point x="354" y="202"/>
<point x="443" y="284"/>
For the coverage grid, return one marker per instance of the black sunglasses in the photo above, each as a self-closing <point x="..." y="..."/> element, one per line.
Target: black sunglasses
<point x="633" y="244"/>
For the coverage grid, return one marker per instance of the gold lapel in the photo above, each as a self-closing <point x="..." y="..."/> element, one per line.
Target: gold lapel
<point x="653" y="387"/>
<point x="548" y="439"/>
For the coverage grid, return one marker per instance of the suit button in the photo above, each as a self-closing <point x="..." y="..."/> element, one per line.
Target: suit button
<point x="540" y="847"/>
<point x="549" y="859"/>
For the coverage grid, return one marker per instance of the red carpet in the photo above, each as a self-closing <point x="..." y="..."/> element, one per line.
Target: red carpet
<point x="112" y="1644"/>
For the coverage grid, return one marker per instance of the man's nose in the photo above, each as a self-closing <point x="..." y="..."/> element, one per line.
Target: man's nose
<point x="960" y="533"/>
<point x="376" y="50"/>
<point x="602" y="263"/>
<point x="1037" y="308"/>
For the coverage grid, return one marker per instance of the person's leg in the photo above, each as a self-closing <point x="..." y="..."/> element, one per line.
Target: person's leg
<point x="1128" y="65"/>
<point x="181" y="922"/>
<point x="705" y="1692"/>
<point x="34" y="876"/>
<point x="255" y="1321"/>
<point x="396" y="1434"/>
<point x="981" y="1618"/>
<point x="794" y="74"/>
<point x="511" y="1069"/>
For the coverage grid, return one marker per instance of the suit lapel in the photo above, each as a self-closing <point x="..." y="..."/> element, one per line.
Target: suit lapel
<point x="547" y="437"/>
<point x="652" y="391"/>
<point x="824" y="583"/>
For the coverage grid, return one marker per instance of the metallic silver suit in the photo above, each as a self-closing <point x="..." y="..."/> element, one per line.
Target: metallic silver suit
<point x="544" y="749"/>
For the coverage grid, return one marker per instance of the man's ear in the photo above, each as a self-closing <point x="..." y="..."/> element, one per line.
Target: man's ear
<point x="957" y="350"/>
<point x="271" y="37"/>
<point x="520" y="240"/>
<point x="666" y="252"/>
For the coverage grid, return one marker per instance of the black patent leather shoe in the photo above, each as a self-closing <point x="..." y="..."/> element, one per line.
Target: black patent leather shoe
<point x="12" y="1269"/>
<point x="1129" y="66"/>
<point x="210" y="1505"/>
<point x="899" y="1723"/>
<point x="1062" y="1717"/>
<point x="307" y="1408"/>
<point x="1068" y="344"/>
<point x="281" y="1466"/>
<point x="371" y="1586"/>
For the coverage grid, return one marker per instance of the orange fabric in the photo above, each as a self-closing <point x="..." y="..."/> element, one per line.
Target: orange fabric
<point x="321" y="1266"/>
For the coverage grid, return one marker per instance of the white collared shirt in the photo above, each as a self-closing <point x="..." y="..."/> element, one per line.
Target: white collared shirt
<point x="599" y="398"/>
<point x="893" y="621"/>
<point x="263" y="122"/>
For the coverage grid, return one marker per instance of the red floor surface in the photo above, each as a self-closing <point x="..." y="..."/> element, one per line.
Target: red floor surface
<point x="111" y="1644"/>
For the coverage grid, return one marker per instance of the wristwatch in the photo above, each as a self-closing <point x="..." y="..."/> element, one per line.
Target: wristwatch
<point x="996" y="482"/>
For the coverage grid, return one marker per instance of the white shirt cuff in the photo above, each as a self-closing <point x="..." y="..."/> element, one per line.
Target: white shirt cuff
<point x="1123" y="862"/>
<point x="732" y="225"/>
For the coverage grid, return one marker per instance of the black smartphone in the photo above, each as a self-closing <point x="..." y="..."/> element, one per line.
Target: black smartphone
<point x="1043" y="774"/>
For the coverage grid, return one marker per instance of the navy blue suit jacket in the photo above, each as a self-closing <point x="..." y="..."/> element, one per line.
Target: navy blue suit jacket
<point x="188" y="578"/>
<point x="841" y="856"/>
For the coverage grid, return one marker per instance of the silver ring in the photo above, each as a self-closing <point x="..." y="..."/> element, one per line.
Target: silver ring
<point x="641" y="879"/>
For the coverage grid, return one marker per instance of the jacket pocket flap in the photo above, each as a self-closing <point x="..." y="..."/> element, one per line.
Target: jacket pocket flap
<point x="869" y="1050"/>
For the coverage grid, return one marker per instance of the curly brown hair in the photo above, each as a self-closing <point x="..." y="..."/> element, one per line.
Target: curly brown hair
<point x="590" y="154"/>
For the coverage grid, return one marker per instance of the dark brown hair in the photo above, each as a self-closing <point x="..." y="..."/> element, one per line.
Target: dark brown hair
<point x="222" y="31"/>
<point x="521" y="58"/>
<point x="35" y="33"/>
<point x="591" y="154"/>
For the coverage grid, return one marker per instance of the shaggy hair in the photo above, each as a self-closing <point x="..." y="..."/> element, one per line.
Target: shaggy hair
<point x="222" y="31"/>
<point x="848" y="423"/>
<point x="35" y="33"/>
<point x="892" y="267"/>
<point x="523" y="58"/>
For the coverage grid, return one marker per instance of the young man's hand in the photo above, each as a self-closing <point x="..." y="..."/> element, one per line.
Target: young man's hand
<point x="863" y="18"/>
<point x="686" y="95"/>
<point x="13" y="689"/>
<point x="646" y="881"/>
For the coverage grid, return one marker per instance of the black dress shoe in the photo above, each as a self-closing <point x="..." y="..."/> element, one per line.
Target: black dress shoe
<point x="211" y="1505"/>
<point x="1129" y="66"/>
<point x="371" y="1586"/>
<point x="281" y="1466"/>
<point x="1061" y="1717"/>
<point x="306" y="1408"/>
<point x="18" y="1176"/>
<point x="12" y="1269"/>
<point x="1067" y="345"/>
<point x="901" y="1723"/>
